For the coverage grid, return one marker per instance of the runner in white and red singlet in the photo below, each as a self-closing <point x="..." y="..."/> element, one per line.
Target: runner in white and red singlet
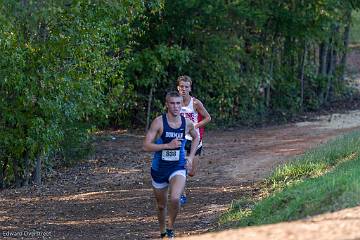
<point x="193" y="109"/>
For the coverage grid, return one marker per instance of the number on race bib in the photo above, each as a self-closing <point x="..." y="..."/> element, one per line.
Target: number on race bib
<point x="171" y="155"/>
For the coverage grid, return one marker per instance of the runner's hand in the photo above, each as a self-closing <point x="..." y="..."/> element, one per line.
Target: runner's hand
<point x="189" y="166"/>
<point x="175" y="143"/>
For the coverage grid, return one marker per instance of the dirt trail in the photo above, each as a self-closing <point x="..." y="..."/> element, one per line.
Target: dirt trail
<point x="110" y="196"/>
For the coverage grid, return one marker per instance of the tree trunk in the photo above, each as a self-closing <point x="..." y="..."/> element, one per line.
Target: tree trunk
<point x="271" y="77"/>
<point x="314" y="55"/>
<point x="346" y="45"/>
<point x="38" y="171"/>
<point x="330" y="70"/>
<point x="26" y="170"/>
<point x="303" y="60"/>
<point x="149" y="108"/>
<point x="288" y="55"/>
<point x="322" y="59"/>
<point x="331" y="61"/>
<point x="15" y="166"/>
<point x="1" y="176"/>
<point x="3" y="165"/>
<point x="268" y="90"/>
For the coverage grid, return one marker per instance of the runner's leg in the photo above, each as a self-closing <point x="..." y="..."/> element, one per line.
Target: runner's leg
<point x="161" y="200"/>
<point x="177" y="184"/>
<point x="190" y="172"/>
<point x="196" y="162"/>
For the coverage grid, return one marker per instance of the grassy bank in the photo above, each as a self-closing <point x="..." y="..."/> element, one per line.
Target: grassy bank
<point x="322" y="180"/>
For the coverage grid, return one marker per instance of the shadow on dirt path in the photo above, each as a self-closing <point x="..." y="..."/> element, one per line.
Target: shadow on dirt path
<point x="110" y="196"/>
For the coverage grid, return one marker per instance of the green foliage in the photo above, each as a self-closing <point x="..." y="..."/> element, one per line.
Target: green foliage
<point x="148" y="69"/>
<point x="59" y="73"/>
<point x="237" y="48"/>
<point x="71" y="66"/>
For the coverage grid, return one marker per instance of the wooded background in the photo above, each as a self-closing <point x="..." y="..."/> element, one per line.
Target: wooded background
<point x="68" y="68"/>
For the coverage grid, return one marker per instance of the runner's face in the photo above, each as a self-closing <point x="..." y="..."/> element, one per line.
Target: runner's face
<point x="173" y="105"/>
<point x="184" y="88"/>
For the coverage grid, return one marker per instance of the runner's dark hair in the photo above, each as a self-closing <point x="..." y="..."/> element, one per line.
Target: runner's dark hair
<point x="172" y="94"/>
<point x="184" y="78"/>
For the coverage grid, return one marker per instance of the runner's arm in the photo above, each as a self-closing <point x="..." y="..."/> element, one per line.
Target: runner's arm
<point x="153" y="133"/>
<point x="195" y="138"/>
<point x="191" y="163"/>
<point x="203" y="112"/>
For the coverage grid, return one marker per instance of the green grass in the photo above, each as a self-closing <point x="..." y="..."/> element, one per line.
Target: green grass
<point x="322" y="180"/>
<point x="355" y="28"/>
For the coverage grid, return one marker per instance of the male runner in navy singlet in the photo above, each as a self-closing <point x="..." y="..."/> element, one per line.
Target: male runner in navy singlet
<point x="166" y="137"/>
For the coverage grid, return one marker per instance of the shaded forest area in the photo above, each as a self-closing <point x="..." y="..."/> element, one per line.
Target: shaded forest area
<point x="71" y="67"/>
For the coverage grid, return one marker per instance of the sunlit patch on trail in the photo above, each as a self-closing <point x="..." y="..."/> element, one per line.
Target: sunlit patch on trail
<point x="105" y="220"/>
<point x="98" y="195"/>
<point x="334" y="121"/>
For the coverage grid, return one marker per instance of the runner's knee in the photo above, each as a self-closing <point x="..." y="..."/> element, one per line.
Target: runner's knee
<point x="161" y="207"/>
<point x="175" y="201"/>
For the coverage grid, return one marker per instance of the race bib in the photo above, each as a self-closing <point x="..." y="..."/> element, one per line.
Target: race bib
<point x="171" y="155"/>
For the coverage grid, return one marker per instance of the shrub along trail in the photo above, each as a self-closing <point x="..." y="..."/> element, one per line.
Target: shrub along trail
<point x="109" y="196"/>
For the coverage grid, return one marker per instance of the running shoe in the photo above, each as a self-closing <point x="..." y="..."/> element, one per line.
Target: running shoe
<point x="162" y="235"/>
<point x="170" y="233"/>
<point x="183" y="200"/>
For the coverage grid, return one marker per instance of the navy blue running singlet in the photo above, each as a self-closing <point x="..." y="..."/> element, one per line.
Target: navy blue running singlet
<point x="170" y="160"/>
